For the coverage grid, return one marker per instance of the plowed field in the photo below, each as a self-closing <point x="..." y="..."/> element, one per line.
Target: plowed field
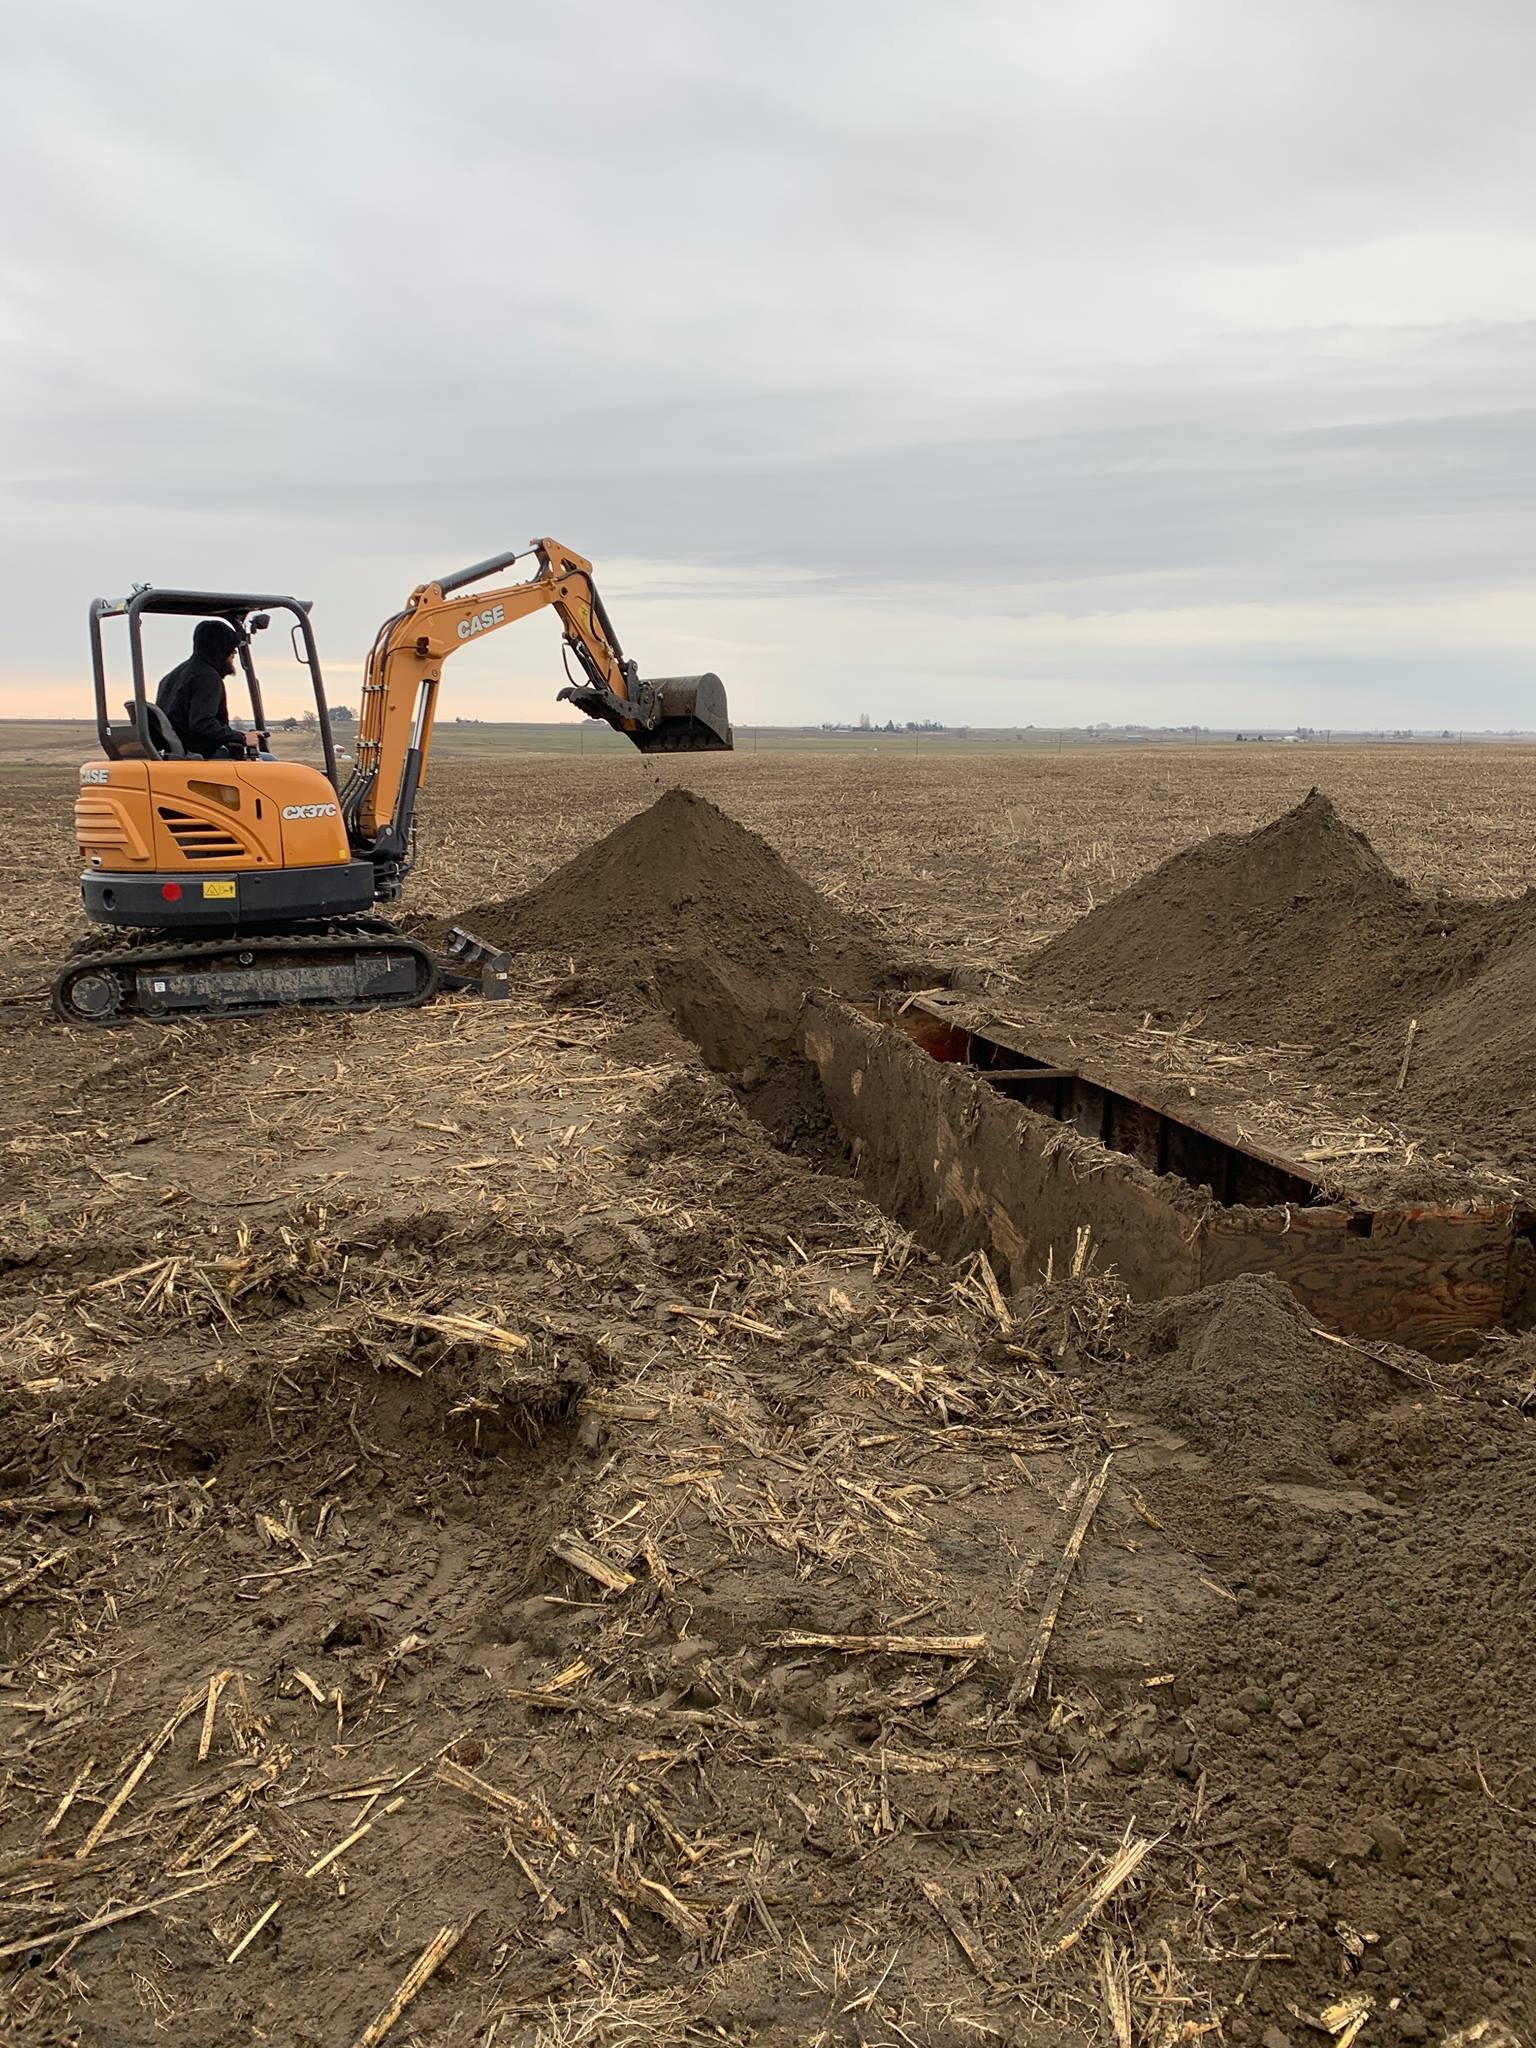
<point x="503" y="1542"/>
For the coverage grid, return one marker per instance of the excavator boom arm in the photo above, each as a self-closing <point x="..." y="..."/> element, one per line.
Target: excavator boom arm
<point x="404" y="669"/>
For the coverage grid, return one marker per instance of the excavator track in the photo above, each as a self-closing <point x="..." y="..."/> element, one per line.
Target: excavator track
<point x="362" y="964"/>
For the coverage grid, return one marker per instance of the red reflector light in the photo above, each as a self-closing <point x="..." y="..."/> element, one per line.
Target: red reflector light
<point x="171" y="891"/>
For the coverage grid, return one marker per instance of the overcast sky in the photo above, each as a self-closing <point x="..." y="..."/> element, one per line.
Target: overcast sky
<point x="1000" y="361"/>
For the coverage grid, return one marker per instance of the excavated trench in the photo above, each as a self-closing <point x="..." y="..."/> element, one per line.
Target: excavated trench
<point x="978" y="1144"/>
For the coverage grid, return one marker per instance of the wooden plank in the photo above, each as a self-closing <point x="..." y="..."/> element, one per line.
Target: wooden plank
<point x="933" y="1012"/>
<point x="1428" y="1278"/>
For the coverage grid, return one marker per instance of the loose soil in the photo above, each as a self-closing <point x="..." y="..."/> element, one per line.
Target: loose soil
<point x="1365" y="1716"/>
<point x="1298" y="938"/>
<point x="682" y="910"/>
<point x="1284" y="933"/>
<point x="340" y="1354"/>
<point x="687" y="906"/>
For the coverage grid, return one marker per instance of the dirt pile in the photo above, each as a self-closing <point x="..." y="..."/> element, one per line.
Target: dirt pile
<point x="1299" y="935"/>
<point x="1240" y="1368"/>
<point x="682" y="903"/>
<point x="1361" y="1714"/>
<point x="1269" y="935"/>
<point x="1474" y="1061"/>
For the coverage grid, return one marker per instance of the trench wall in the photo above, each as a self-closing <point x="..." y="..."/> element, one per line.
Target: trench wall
<point x="967" y="1169"/>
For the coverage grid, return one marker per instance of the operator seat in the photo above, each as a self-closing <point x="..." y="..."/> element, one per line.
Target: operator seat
<point x="163" y="733"/>
<point x="122" y="742"/>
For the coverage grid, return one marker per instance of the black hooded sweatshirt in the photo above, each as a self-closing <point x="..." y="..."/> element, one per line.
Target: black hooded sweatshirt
<point x="193" y="697"/>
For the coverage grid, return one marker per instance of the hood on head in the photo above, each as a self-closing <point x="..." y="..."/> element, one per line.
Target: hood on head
<point x="215" y="640"/>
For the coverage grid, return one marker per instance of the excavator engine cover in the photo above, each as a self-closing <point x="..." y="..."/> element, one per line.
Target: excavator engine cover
<point x="693" y="720"/>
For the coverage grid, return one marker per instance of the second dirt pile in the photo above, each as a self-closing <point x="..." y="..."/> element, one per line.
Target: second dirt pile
<point x="1300" y="934"/>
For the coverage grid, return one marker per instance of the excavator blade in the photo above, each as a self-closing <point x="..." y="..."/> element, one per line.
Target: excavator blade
<point x="694" y="718"/>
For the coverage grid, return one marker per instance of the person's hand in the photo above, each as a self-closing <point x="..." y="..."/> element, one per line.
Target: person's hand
<point x="255" y="742"/>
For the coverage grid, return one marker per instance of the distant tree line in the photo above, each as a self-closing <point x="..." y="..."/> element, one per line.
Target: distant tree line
<point x="864" y="725"/>
<point x="341" y="714"/>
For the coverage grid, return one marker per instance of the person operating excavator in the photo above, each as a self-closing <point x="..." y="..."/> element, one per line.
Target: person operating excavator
<point x="195" y="701"/>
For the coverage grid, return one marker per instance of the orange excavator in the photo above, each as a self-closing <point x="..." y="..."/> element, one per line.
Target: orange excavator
<point x="247" y="885"/>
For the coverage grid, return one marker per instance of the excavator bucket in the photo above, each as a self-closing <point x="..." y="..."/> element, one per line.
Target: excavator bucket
<point x="694" y="718"/>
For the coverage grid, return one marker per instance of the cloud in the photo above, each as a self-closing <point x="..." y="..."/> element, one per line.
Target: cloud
<point x="1173" y="354"/>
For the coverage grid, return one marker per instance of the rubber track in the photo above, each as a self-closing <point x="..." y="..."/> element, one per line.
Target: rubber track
<point x="370" y="936"/>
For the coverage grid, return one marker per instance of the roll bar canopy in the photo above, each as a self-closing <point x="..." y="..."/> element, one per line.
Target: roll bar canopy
<point x="231" y="605"/>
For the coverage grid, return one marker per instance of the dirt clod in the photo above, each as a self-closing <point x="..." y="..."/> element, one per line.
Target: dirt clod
<point x="1241" y="1367"/>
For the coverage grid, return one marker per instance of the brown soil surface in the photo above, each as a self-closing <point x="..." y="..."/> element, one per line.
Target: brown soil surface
<point x="1364" y="1715"/>
<point x="1283" y="933"/>
<point x="322" y="1339"/>
<point x="1474" y="1064"/>
<point x="684" y="903"/>
<point x="681" y="873"/>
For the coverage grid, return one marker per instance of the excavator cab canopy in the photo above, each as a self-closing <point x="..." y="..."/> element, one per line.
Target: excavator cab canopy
<point x="141" y="736"/>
